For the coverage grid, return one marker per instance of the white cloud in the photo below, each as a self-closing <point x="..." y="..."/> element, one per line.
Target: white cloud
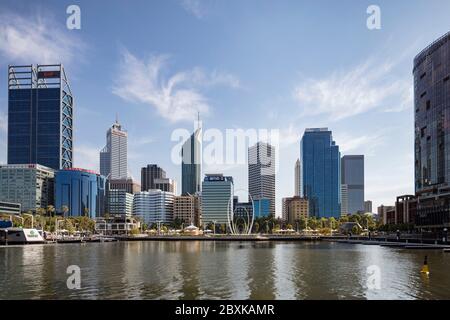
<point x="36" y="40"/>
<point x="177" y="98"/>
<point x="288" y="136"/>
<point x="194" y="7"/>
<point x="347" y="93"/>
<point x="3" y="122"/>
<point x="87" y="157"/>
<point x="363" y="144"/>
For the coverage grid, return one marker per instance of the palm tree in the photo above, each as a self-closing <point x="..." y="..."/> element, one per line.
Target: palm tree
<point x="50" y="210"/>
<point x="65" y="209"/>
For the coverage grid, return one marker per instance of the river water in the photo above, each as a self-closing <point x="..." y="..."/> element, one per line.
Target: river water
<point x="222" y="270"/>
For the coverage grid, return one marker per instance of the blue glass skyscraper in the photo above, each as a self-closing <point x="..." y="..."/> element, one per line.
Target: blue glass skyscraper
<point x="81" y="191"/>
<point x="40" y="116"/>
<point x="320" y="161"/>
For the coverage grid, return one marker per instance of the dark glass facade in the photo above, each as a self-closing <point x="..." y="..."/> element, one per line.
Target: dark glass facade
<point x="352" y="175"/>
<point x="191" y="154"/>
<point x="432" y="116"/>
<point x="82" y="191"/>
<point x="320" y="162"/>
<point x="432" y="134"/>
<point x="40" y="122"/>
<point x="148" y="176"/>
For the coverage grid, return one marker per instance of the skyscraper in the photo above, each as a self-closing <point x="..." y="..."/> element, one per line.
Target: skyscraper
<point x="368" y="206"/>
<point x="297" y="178"/>
<point x="261" y="173"/>
<point x="148" y="176"/>
<point x="191" y="165"/>
<point x="344" y="200"/>
<point x="40" y="116"/>
<point x="217" y="199"/>
<point x="321" y="178"/>
<point x="352" y="175"/>
<point x="113" y="157"/>
<point x="432" y="128"/>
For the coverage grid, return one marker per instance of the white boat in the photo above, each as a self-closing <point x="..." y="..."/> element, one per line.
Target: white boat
<point x="21" y="236"/>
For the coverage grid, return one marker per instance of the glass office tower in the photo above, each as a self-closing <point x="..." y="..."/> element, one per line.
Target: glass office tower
<point x="321" y="178"/>
<point x="352" y="175"/>
<point x="432" y="134"/>
<point x="191" y="165"/>
<point x="81" y="191"/>
<point x="40" y="116"/>
<point x="217" y="198"/>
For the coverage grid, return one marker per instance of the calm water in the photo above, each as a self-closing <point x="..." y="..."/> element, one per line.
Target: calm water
<point x="220" y="270"/>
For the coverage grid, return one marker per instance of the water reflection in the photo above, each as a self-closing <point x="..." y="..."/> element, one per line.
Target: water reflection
<point x="220" y="270"/>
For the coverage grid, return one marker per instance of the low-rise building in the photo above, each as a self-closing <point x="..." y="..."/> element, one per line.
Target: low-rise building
<point x="116" y="225"/>
<point x="296" y="208"/>
<point x="10" y="208"/>
<point x="187" y="209"/>
<point x="30" y="185"/>
<point x="153" y="206"/>
<point x="128" y="184"/>
<point x="120" y="202"/>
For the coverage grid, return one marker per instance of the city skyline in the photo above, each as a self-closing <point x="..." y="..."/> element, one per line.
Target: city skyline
<point x="221" y="89"/>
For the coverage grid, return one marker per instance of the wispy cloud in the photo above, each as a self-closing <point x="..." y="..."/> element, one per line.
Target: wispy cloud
<point x="364" y="144"/>
<point x="177" y="98"/>
<point x="87" y="157"/>
<point x="194" y="7"/>
<point x="347" y="93"/>
<point x="36" y="40"/>
<point x="3" y="122"/>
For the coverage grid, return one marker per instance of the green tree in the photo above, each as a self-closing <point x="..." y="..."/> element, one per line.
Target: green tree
<point x="134" y="231"/>
<point x="302" y="223"/>
<point x="50" y="210"/>
<point x="332" y="223"/>
<point x="256" y="227"/>
<point x="65" y="209"/>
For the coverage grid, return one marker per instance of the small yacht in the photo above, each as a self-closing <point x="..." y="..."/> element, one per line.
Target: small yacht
<point x="20" y="236"/>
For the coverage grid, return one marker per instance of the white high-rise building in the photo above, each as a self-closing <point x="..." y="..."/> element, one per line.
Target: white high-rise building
<point x="153" y="206"/>
<point x="113" y="157"/>
<point x="297" y="179"/>
<point x="261" y="173"/>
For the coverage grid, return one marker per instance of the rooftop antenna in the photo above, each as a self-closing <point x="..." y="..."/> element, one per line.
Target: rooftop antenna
<point x="117" y="118"/>
<point x="198" y="119"/>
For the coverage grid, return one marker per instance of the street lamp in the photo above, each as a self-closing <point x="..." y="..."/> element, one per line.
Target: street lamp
<point x="214" y="224"/>
<point x="159" y="227"/>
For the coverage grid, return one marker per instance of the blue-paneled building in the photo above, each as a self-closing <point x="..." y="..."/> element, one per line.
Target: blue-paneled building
<point x="320" y="162"/>
<point x="82" y="191"/>
<point x="261" y="208"/>
<point x="40" y="116"/>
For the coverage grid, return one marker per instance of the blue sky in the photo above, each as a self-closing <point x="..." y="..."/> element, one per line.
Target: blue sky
<point x="283" y="65"/>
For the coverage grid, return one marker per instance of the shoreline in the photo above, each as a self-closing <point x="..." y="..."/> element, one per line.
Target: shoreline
<point x="409" y="244"/>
